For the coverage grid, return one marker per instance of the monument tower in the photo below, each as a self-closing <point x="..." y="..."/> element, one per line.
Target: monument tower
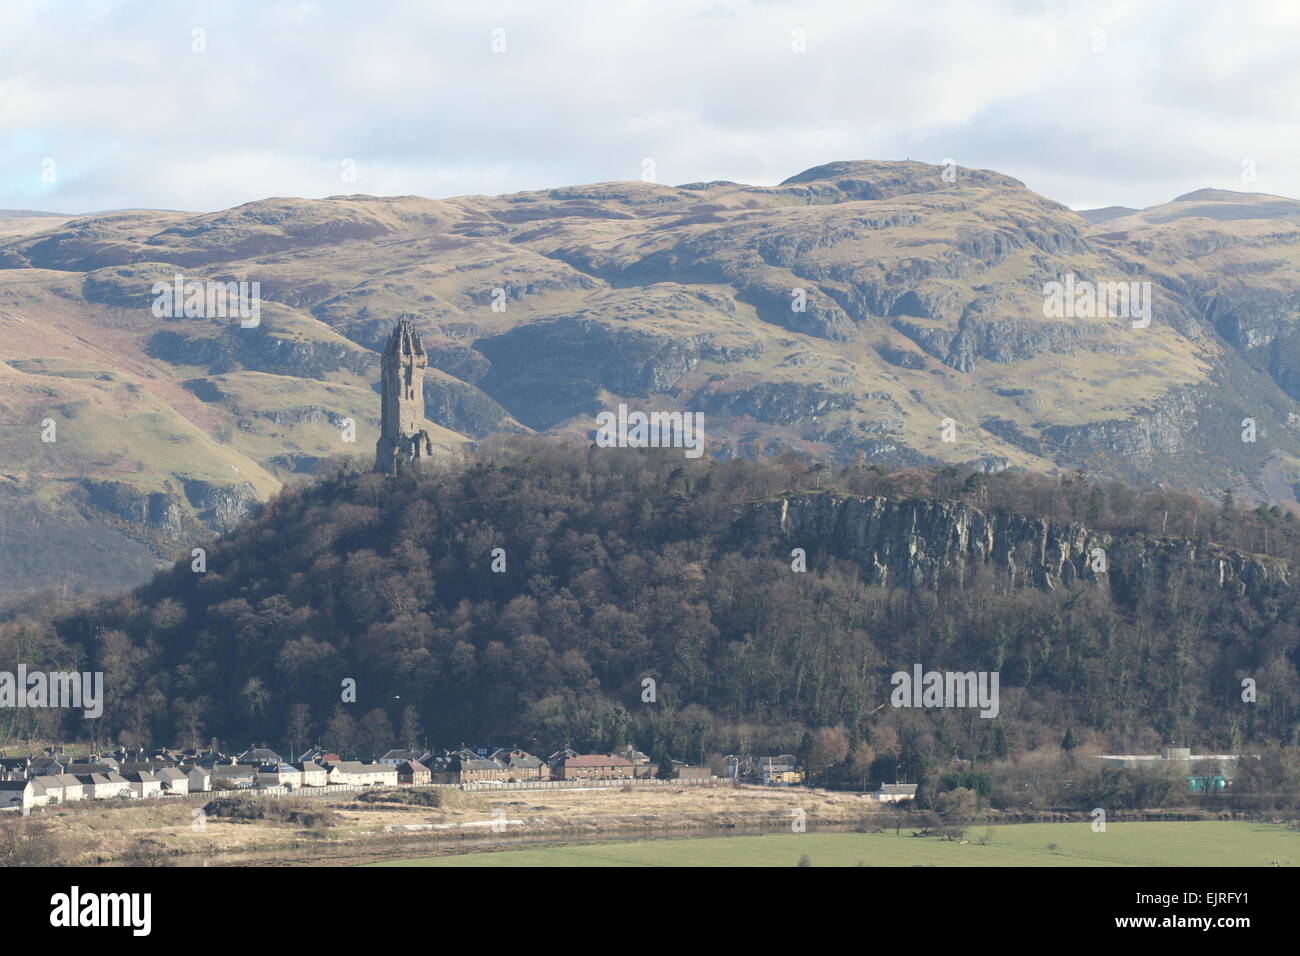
<point x="403" y="440"/>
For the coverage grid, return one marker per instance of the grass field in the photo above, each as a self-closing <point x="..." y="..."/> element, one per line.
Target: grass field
<point x="1025" y="844"/>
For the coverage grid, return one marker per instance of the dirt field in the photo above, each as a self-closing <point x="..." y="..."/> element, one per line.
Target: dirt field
<point x="352" y="828"/>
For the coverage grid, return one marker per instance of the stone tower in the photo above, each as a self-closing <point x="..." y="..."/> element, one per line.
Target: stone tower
<point x="403" y="440"/>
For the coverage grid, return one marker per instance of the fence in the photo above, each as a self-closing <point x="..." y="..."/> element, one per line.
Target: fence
<point x="615" y="783"/>
<point x="609" y="784"/>
<point x="600" y="784"/>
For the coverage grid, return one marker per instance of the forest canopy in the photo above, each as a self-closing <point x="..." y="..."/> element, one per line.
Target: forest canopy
<point x="626" y="565"/>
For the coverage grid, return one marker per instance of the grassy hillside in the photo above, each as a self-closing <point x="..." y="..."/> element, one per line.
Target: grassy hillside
<point x="921" y="295"/>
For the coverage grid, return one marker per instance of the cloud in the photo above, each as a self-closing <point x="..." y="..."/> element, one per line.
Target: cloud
<point x="206" y="105"/>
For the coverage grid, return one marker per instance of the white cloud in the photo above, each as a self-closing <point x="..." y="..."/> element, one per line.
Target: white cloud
<point x="584" y="90"/>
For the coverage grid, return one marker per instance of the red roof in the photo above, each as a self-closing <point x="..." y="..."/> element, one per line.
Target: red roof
<point x="596" y="760"/>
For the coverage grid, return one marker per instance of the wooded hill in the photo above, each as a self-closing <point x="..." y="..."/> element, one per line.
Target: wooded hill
<point x="622" y="565"/>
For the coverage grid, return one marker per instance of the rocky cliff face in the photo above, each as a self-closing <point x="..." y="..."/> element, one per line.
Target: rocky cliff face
<point x="915" y="542"/>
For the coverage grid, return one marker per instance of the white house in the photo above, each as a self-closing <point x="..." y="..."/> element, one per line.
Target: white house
<point x="72" y="788"/>
<point x="48" y="790"/>
<point x="313" y="774"/>
<point x="104" y="786"/>
<point x="173" y="780"/>
<point x="363" y="774"/>
<point x="200" y="779"/>
<point x="143" y="784"/>
<point x="894" y="792"/>
<point x="17" y="793"/>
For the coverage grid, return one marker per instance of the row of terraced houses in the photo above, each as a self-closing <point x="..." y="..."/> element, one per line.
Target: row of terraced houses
<point x="51" y="778"/>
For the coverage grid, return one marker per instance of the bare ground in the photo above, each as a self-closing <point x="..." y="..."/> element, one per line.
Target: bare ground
<point x="363" y="829"/>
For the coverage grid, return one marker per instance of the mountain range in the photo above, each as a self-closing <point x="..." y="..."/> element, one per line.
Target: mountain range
<point x="849" y="313"/>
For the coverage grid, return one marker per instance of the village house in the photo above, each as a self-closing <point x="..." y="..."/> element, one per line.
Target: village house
<point x="594" y="767"/>
<point x="94" y="763"/>
<point x="894" y="792"/>
<point x="200" y="779"/>
<point x="521" y="765"/>
<point x="320" y="755"/>
<point x="229" y="776"/>
<point x="312" y="774"/>
<point x="149" y="765"/>
<point x="90" y="785"/>
<point x="19" y="793"/>
<point x="395" y="758"/>
<point x="82" y="769"/>
<point x="46" y="766"/>
<point x="14" y="768"/>
<point x="642" y="767"/>
<point x="143" y="784"/>
<point x="363" y="774"/>
<point x="465" y="766"/>
<point x="256" y="756"/>
<point x="73" y="789"/>
<point x="413" y="773"/>
<point x="104" y="786"/>
<point x="173" y="780"/>
<point x="47" y="790"/>
<point x="279" y="775"/>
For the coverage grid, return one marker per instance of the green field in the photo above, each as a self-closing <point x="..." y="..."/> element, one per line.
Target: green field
<point x="1022" y="844"/>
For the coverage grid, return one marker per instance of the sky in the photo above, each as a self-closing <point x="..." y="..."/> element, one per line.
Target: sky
<point x="206" y="105"/>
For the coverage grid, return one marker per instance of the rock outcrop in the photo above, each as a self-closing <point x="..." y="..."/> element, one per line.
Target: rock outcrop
<point x="918" y="542"/>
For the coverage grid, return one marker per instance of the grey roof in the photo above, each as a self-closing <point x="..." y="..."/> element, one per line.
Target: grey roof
<point x="260" y="755"/>
<point x="82" y="762"/>
<point x="403" y="755"/>
<point x="517" y="758"/>
<point x="149" y="765"/>
<point x="233" y="770"/>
